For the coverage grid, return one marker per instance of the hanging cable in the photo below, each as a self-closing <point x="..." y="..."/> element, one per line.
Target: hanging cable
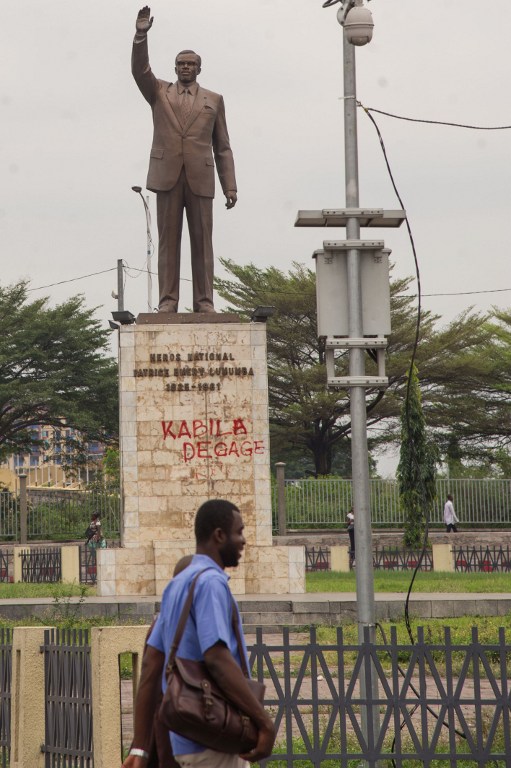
<point x="440" y="122"/>
<point x="459" y="733"/>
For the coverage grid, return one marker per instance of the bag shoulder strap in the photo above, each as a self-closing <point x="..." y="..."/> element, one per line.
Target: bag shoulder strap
<point x="184" y="618"/>
<point x="237" y="632"/>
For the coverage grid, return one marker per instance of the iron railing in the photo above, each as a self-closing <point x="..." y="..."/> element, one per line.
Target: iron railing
<point x="88" y="567"/>
<point x="487" y="559"/>
<point x="59" y="514"/>
<point x="9" y="516"/>
<point x="386" y="558"/>
<point x="317" y="558"/>
<point x="394" y="559"/>
<point x="323" y="503"/>
<point x="437" y="701"/>
<point x="6" y="574"/>
<point x="41" y="564"/>
<point x="5" y="695"/>
<point x="440" y="702"/>
<point x="482" y="559"/>
<point x="64" y="514"/>
<point x="68" y="721"/>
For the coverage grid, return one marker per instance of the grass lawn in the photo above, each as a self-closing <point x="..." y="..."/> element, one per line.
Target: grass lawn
<point x="398" y="581"/>
<point x="15" y="591"/>
<point x="321" y="581"/>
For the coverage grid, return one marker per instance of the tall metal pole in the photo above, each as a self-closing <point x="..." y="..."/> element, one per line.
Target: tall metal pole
<point x="359" y="453"/>
<point x="149" y="254"/>
<point x="120" y="286"/>
<point x="149" y="249"/>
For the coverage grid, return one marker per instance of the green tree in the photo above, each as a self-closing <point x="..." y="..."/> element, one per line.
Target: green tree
<point x="416" y="472"/>
<point x="53" y="370"/>
<point x="112" y="467"/>
<point x="460" y="365"/>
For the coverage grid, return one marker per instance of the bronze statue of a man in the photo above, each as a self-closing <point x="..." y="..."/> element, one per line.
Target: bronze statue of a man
<point x="189" y="131"/>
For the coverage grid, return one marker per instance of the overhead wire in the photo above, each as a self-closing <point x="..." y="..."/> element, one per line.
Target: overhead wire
<point x="266" y="293"/>
<point x="439" y="122"/>
<point x="73" y="279"/>
<point x="459" y="733"/>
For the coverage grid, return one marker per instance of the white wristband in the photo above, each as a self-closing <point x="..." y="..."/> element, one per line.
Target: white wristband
<point x="139" y="752"/>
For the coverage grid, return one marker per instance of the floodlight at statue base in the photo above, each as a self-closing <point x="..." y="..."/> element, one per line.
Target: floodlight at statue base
<point x="124" y="317"/>
<point x="261" y="314"/>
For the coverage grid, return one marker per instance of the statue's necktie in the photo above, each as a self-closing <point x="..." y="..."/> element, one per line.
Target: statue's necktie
<point x="186" y="104"/>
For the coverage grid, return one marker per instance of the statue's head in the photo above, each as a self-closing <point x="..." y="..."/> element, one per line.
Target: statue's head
<point x="188" y="66"/>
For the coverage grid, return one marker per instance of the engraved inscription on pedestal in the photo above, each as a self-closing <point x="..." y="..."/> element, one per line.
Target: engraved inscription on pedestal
<point x="194" y="425"/>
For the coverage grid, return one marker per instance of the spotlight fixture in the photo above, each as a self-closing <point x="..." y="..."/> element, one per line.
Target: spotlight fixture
<point x="261" y="314"/>
<point x="123" y="317"/>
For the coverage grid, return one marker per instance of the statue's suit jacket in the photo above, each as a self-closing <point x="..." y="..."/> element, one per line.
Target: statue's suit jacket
<point x="192" y="145"/>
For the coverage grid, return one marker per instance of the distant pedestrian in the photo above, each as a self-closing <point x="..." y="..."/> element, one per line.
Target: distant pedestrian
<point x="350" y="527"/>
<point x="93" y="536"/>
<point x="450" y="518"/>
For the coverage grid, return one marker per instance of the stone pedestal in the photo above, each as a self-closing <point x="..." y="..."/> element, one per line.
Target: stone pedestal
<point x="194" y="426"/>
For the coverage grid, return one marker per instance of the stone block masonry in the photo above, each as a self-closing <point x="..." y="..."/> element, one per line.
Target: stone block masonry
<point x="194" y="426"/>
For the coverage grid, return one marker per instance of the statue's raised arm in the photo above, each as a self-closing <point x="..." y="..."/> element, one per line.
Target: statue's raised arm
<point x="144" y="20"/>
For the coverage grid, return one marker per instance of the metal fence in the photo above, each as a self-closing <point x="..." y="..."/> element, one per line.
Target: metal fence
<point x="384" y="558"/>
<point x="57" y="514"/>
<point x="482" y="559"/>
<point x="394" y="559"/>
<point x="41" y="564"/>
<point x="317" y="558"/>
<point x="6" y="568"/>
<point x="440" y="702"/>
<point x="5" y="695"/>
<point x="489" y="559"/>
<point x="9" y="516"/>
<point x="68" y="721"/>
<point x="324" y="503"/>
<point x="88" y="567"/>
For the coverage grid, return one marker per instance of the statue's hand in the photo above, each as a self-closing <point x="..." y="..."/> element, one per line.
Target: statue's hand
<point x="144" y="20"/>
<point x="231" y="198"/>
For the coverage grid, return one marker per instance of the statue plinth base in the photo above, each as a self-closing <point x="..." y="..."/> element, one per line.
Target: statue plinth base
<point x="194" y="426"/>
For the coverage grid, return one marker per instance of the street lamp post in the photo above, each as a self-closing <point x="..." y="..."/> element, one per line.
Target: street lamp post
<point x="359" y="452"/>
<point x="353" y="300"/>
<point x="145" y="201"/>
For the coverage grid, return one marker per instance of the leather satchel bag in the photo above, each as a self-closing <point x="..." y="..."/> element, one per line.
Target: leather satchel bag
<point x="195" y="707"/>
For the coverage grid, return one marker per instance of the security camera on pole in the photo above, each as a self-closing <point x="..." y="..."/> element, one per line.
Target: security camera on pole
<point x="353" y="299"/>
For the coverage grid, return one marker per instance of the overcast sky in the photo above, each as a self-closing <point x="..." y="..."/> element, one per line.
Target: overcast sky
<point x="75" y="136"/>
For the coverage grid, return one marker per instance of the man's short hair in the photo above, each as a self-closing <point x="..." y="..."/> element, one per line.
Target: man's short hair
<point x="213" y="514"/>
<point x="199" y="60"/>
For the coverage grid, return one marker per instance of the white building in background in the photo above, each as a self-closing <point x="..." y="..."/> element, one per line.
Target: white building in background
<point x="55" y="462"/>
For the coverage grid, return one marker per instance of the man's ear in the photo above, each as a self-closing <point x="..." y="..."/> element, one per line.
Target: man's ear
<point x="219" y="535"/>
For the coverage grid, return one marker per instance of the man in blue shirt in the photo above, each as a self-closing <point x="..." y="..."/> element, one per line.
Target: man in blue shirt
<point x="208" y="637"/>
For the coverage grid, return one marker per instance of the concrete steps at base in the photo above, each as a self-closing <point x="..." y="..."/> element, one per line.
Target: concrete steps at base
<point x="273" y="615"/>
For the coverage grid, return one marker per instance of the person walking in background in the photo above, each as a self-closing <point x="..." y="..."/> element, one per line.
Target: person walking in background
<point x="450" y="518"/>
<point x="350" y="527"/>
<point x="93" y="536"/>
